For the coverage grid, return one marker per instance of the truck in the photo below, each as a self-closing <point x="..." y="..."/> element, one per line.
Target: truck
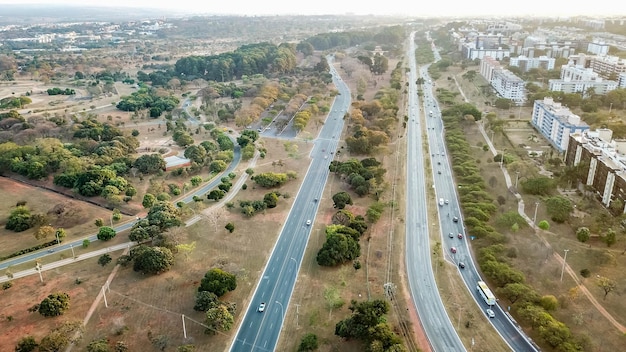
<point x="441" y="202"/>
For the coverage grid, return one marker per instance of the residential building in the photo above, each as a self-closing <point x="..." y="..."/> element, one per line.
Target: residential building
<point x="578" y="79"/>
<point x="526" y="63"/>
<point x="598" y="47"/>
<point x="608" y="67"/>
<point x="604" y="160"/>
<point x="556" y="122"/>
<point x="509" y="86"/>
<point x="471" y="52"/>
<point x="621" y="80"/>
<point x="487" y="66"/>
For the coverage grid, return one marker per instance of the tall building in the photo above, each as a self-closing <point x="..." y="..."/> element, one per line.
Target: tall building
<point x="604" y="162"/>
<point x="578" y="79"/>
<point x="598" y="47"/>
<point x="509" y="86"/>
<point x="556" y="122"/>
<point x="526" y="63"/>
<point x="608" y="67"/>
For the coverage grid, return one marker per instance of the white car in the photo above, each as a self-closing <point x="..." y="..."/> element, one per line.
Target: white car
<point x="490" y="313"/>
<point x="308" y="222"/>
<point x="261" y="308"/>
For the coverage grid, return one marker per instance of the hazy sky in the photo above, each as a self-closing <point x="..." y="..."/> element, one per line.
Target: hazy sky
<point x="385" y="7"/>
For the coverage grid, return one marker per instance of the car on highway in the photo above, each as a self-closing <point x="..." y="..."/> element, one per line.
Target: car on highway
<point x="261" y="308"/>
<point x="461" y="265"/>
<point x="453" y="249"/>
<point x="460" y="236"/>
<point x="439" y="172"/>
<point x="447" y="201"/>
<point x="455" y="219"/>
<point x="451" y="235"/>
<point x="490" y="313"/>
<point x="308" y="222"/>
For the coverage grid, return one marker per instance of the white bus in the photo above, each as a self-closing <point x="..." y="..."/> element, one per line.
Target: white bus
<point x="486" y="293"/>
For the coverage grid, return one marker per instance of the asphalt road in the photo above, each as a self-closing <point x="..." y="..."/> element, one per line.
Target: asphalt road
<point x="261" y="331"/>
<point x="125" y="226"/>
<point x="445" y="188"/>
<point x="424" y="292"/>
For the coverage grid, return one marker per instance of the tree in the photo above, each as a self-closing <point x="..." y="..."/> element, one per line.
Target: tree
<point x="271" y="199"/>
<point x="230" y="227"/>
<point x="368" y="324"/>
<point x="106" y="233"/>
<point x="218" y="319"/>
<point x="20" y="219"/>
<point x="517" y="291"/>
<point x="308" y="343"/>
<point x="559" y="208"/>
<point x="549" y="302"/>
<point x="609" y="237"/>
<point x="338" y="248"/>
<point x="205" y="300"/>
<point x="44" y="231"/>
<point x="26" y="344"/>
<point x="54" y="305"/>
<point x="218" y="282"/>
<point x="341" y="199"/>
<point x="148" y="200"/>
<point x="101" y="345"/>
<point x="606" y="284"/>
<point x="149" y="164"/>
<point x="164" y="215"/>
<point x="541" y="185"/>
<point x="153" y="260"/>
<point x="583" y="234"/>
<point x="216" y="194"/>
<point x="104" y="259"/>
<point x="544" y="225"/>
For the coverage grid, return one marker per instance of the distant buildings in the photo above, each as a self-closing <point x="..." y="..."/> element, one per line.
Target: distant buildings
<point x="526" y="63"/>
<point x="556" y="123"/>
<point x="578" y="79"/>
<point x="604" y="162"/>
<point x="597" y="47"/>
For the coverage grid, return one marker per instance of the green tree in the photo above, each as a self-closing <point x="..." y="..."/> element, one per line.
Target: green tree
<point x="559" y="208"/>
<point x="149" y="164"/>
<point x="609" y="237"/>
<point x="26" y="344"/>
<point x="148" y="200"/>
<point x="544" y="225"/>
<point x="99" y="222"/>
<point x="218" y="319"/>
<point x="517" y="291"/>
<point x="205" y="300"/>
<point x="308" y="343"/>
<point x="164" y="215"/>
<point x="541" y="185"/>
<point x="216" y="194"/>
<point x="549" y="302"/>
<point x="54" y="305"/>
<point x="217" y="166"/>
<point x="104" y="259"/>
<point x="230" y="227"/>
<point x="339" y="248"/>
<point x="606" y="284"/>
<point x="218" y="282"/>
<point x="583" y="234"/>
<point x="153" y="260"/>
<point x="106" y="233"/>
<point x="341" y="199"/>
<point x="100" y="345"/>
<point x="19" y="220"/>
<point x="271" y="199"/>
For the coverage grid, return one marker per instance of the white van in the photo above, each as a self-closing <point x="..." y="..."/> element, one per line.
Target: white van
<point x="441" y="202"/>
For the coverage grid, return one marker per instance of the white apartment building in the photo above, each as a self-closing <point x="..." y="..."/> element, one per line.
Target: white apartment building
<point x="509" y="86"/>
<point x="556" y="122"/>
<point x="526" y="63"/>
<point x="487" y="66"/>
<point x="599" y="86"/>
<point x="608" y="66"/>
<point x="598" y="47"/>
<point x="577" y="73"/>
<point x="471" y="52"/>
<point x="621" y="80"/>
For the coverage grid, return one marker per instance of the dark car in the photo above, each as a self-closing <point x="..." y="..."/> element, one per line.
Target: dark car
<point x="455" y="219"/>
<point x="461" y="265"/>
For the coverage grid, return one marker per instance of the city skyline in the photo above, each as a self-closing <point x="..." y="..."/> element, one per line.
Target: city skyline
<point x="533" y="8"/>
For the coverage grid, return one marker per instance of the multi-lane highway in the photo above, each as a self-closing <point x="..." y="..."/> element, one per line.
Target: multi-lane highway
<point x="125" y="226"/>
<point x="445" y="188"/>
<point x="437" y="325"/>
<point x="259" y="331"/>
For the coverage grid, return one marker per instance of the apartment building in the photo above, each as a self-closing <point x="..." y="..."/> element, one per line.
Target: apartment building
<point x="470" y="51"/>
<point x="598" y="47"/>
<point x="527" y="63"/>
<point x="608" y="67"/>
<point x="509" y="86"/>
<point x="556" y="122"/>
<point x="579" y="79"/>
<point x="487" y="65"/>
<point x="621" y="80"/>
<point x="604" y="160"/>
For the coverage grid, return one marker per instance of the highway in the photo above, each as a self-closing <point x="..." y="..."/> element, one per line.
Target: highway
<point x="423" y="288"/>
<point x="260" y="331"/>
<point x="445" y="188"/>
<point x="125" y="226"/>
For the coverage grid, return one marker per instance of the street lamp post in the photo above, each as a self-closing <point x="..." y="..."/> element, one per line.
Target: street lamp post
<point x="535" y="216"/>
<point x="57" y="235"/>
<point x="282" y="309"/>
<point x="563" y="267"/>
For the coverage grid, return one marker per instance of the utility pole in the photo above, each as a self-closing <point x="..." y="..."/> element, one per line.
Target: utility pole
<point x="184" y="329"/>
<point x="516" y="178"/>
<point x="535" y="216"/>
<point x="563" y="267"/>
<point x="38" y="268"/>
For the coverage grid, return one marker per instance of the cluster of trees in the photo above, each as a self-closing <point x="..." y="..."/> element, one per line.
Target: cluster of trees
<point x="222" y="188"/>
<point x="342" y="239"/>
<point x="250" y="59"/>
<point x="362" y="176"/>
<point x="14" y="103"/>
<point x="146" y="98"/>
<point x="57" y="340"/>
<point x="54" y="305"/>
<point x="59" y="91"/>
<point x="369" y="325"/>
<point x="21" y="219"/>
<point x="219" y="315"/>
<point x="266" y="96"/>
<point x="377" y="65"/>
<point x="247" y="141"/>
<point x="583" y="234"/>
<point x="273" y="179"/>
<point x="252" y="207"/>
<point x="387" y="37"/>
<point x="373" y="122"/>
<point x="478" y="206"/>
